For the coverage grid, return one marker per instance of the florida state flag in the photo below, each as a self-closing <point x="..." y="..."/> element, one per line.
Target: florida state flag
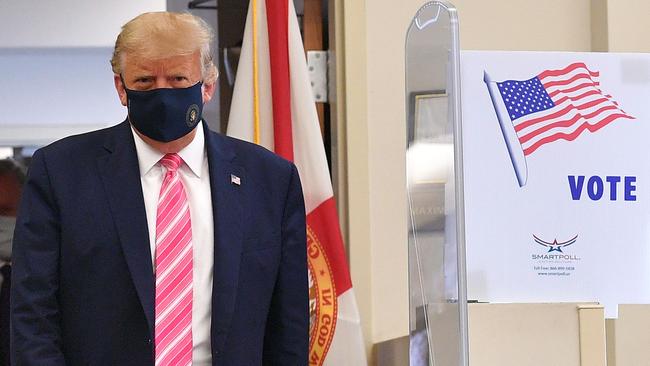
<point x="273" y="106"/>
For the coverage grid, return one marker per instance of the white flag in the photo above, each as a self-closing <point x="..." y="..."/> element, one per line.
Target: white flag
<point x="273" y="106"/>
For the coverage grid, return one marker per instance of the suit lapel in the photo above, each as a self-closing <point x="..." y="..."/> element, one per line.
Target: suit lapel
<point x="120" y="175"/>
<point x="228" y="214"/>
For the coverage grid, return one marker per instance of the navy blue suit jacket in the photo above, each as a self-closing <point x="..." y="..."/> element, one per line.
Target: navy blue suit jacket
<point x="83" y="283"/>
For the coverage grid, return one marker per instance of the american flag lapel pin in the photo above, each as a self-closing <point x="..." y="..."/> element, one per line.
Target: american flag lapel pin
<point x="235" y="180"/>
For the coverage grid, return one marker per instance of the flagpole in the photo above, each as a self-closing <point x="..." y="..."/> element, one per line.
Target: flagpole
<point x="256" y="88"/>
<point x="515" y="150"/>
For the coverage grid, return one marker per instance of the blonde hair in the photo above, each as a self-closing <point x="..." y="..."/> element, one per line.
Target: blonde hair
<point x="164" y="34"/>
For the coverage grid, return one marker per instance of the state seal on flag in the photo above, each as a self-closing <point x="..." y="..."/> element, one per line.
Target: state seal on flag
<point x="322" y="300"/>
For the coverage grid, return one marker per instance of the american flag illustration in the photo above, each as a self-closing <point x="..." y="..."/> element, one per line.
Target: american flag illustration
<point x="553" y="105"/>
<point x="558" y="104"/>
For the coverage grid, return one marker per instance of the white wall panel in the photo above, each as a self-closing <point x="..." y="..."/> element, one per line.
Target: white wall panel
<point x="48" y="93"/>
<point x="67" y="23"/>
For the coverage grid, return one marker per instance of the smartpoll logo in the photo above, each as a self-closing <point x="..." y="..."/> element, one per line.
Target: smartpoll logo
<point x="556" y="260"/>
<point x="555" y="245"/>
<point x="551" y="106"/>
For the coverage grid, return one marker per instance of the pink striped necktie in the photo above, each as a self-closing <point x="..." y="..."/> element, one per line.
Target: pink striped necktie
<point x="173" y="329"/>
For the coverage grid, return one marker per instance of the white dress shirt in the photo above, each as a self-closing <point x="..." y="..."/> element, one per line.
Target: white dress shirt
<point x="196" y="178"/>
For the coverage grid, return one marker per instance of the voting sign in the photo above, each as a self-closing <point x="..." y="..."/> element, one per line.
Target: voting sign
<point x="557" y="165"/>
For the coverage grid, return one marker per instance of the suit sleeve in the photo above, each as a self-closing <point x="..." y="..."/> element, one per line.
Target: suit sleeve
<point x="286" y="341"/>
<point x="35" y="317"/>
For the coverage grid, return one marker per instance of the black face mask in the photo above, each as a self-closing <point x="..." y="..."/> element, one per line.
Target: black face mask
<point x="165" y="114"/>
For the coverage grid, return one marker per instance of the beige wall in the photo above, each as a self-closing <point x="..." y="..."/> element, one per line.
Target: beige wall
<point x="627" y="27"/>
<point x="576" y="332"/>
<point x="370" y="118"/>
<point x="628" y="336"/>
<point x="550" y="25"/>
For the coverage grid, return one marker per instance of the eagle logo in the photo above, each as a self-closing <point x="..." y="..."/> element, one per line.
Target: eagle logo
<point x="555" y="246"/>
<point x="192" y="115"/>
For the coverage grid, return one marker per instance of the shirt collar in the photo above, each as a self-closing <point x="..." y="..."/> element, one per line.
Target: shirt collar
<point x="192" y="154"/>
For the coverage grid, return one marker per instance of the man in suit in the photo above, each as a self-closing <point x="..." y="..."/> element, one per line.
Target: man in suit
<point x="12" y="178"/>
<point x="158" y="240"/>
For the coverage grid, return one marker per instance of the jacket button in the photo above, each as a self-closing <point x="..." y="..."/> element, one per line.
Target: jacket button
<point x="149" y="341"/>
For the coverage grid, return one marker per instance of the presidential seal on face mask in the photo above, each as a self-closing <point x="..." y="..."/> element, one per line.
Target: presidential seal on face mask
<point x="192" y="116"/>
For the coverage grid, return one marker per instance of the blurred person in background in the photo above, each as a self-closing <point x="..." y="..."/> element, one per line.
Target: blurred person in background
<point x="12" y="178"/>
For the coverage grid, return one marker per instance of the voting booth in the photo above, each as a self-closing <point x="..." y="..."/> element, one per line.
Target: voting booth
<point x="527" y="197"/>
